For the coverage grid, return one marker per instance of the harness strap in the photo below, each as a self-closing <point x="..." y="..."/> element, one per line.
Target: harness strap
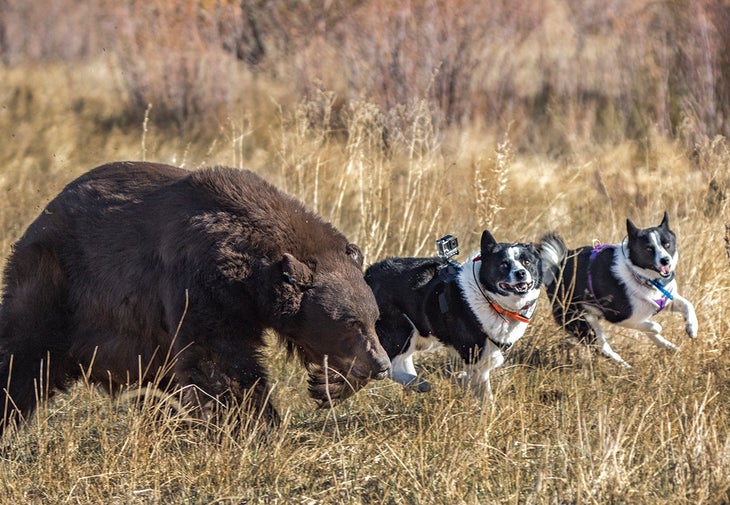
<point x="502" y="346"/>
<point x="667" y="294"/>
<point x="598" y="248"/>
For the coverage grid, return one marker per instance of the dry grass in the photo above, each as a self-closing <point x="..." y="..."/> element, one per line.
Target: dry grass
<point x="566" y="426"/>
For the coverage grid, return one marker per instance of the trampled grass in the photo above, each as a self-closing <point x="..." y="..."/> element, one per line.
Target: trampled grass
<point x="566" y="426"/>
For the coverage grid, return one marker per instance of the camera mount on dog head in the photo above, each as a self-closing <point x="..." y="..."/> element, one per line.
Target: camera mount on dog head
<point x="447" y="246"/>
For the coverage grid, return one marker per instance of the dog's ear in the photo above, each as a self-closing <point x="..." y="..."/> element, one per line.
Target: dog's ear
<point x="631" y="229"/>
<point x="355" y="253"/>
<point x="488" y="243"/>
<point x="296" y="273"/>
<point x="665" y="221"/>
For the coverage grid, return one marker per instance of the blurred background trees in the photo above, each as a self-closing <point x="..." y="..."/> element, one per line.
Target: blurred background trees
<point x="561" y="74"/>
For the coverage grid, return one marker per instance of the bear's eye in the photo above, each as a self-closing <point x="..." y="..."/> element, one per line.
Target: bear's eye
<point x="356" y="325"/>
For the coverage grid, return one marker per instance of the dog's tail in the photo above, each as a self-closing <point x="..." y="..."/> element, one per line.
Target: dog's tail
<point x="552" y="252"/>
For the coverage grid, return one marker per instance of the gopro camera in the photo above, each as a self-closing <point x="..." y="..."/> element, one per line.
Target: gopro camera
<point x="447" y="246"/>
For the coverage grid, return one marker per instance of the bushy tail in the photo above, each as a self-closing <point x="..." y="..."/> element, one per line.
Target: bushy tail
<point x="553" y="252"/>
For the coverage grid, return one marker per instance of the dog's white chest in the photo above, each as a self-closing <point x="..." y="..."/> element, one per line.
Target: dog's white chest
<point x="646" y="300"/>
<point x="500" y="328"/>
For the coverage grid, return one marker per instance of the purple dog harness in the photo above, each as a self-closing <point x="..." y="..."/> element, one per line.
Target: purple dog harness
<point x="660" y="302"/>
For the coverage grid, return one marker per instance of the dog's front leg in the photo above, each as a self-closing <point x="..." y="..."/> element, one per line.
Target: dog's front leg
<point x="681" y="304"/>
<point x="653" y="330"/>
<point x="479" y="382"/>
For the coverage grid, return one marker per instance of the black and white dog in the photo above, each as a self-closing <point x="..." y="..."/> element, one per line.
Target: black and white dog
<point x="477" y="309"/>
<point x="625" y="283"/>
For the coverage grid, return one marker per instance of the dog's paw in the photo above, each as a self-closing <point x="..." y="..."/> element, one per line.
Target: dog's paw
<point x="618" y="359"/>
<point x="420" y="385"/>
<point x="610" y="353"/>
<point x="691" y="329"/>
<point x="412" y="382"/>
<point x="666" y="344"/>
<point x="462" y="378"/>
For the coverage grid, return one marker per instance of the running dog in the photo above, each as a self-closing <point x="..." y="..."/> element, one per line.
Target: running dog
<point x="625" y="284"/>
<point x="478" y="309"/>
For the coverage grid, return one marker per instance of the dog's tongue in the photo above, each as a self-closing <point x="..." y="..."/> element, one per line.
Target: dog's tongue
<point x="664" y="270"/>
<point x="520" y="287"/>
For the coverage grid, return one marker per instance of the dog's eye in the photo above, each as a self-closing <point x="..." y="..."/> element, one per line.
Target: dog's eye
<point x="666" y="245"/>
<point x="526" y="262"/>
<point x="504" y="265"/>
<point x="649" y="248"/>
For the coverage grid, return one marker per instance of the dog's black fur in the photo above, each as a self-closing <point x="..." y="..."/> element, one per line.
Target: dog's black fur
<point x="419" y="288"/>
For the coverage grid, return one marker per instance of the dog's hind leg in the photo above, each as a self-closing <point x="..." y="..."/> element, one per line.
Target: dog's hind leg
<point x="391" y="332"/>
<point x="602" y="342"/>
<point x="681" y="304"/>
<point x="403" y="370"/>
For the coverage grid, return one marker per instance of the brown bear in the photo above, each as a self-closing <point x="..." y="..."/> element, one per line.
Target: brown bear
<point x="134" y="264"/>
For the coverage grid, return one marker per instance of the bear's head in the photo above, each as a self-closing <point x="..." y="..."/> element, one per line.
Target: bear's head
<point x="329" y="316"/>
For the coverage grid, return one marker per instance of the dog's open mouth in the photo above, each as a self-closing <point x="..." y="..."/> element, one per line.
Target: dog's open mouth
<point x="665" y="271"/>
<point x="518" y="287"/>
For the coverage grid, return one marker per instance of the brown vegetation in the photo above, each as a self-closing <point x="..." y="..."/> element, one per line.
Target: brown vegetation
<point x="400" y="124"/>
<point x="564" y="73"/>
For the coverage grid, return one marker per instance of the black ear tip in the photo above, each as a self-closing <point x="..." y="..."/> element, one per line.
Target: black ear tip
<point x="486" y="235"/>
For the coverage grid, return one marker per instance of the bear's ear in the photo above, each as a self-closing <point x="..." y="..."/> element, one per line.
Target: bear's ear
<point x="355" y="253"/>
<point x="295" y="272"/>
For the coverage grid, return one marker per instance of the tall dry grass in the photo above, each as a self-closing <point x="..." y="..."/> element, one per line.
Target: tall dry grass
<point x="567" y="426"/>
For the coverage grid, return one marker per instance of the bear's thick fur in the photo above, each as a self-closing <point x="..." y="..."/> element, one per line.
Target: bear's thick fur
<point x="133" y="264"/>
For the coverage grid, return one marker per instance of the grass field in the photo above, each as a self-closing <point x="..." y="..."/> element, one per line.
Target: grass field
<point x="567" y="426"/>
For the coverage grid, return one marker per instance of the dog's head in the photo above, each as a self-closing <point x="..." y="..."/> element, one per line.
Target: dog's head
<point x="509" y="269"/>
<point x="653" y="249"/>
